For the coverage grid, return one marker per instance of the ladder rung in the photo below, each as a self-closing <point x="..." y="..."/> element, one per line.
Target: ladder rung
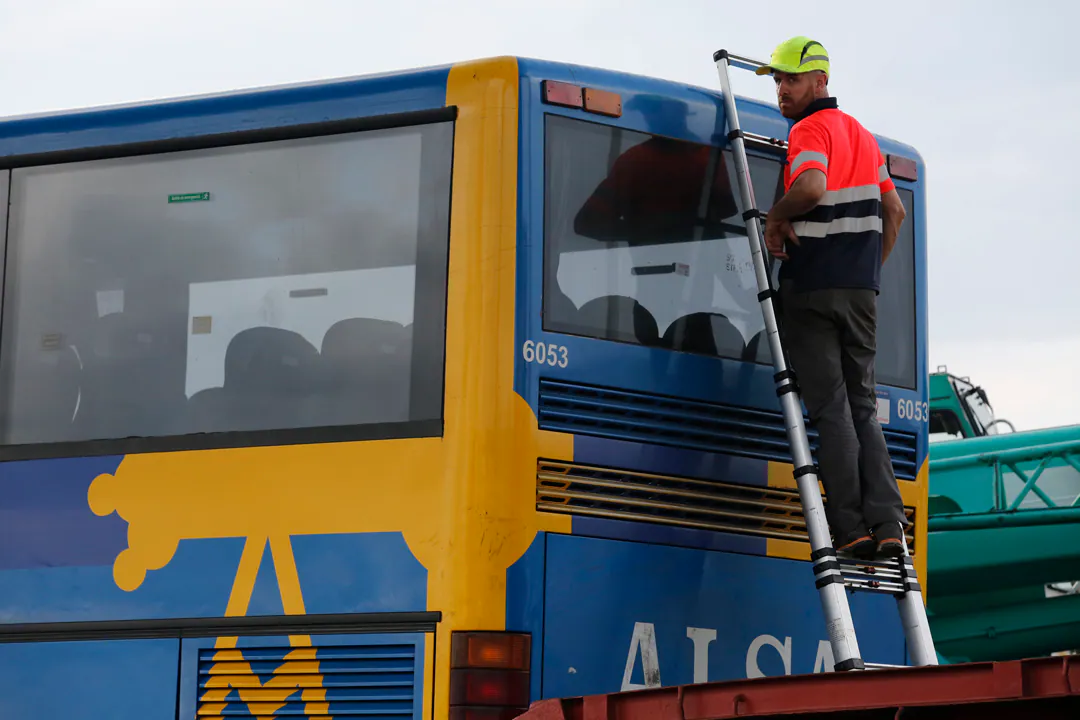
<point x="755" y="139"/>
<point x="872" y="566"/>
<point x="744" y="63"/>
<point x="873" y="576"/>
<point x="887" y="588"/>
<point x="869" y="577"/>
<point x="883" y="666"/>
<point x="872" y="573"/>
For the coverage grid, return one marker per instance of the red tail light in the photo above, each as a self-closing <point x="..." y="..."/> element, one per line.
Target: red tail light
<point x="489" y="687"/>
<point x="489" y="675"/>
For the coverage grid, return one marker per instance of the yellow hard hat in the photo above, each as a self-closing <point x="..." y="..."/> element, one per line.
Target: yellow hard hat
<point x="797" y="55"/>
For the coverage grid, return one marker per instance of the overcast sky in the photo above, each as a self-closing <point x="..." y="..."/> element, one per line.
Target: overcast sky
<point x="982" y="89"/>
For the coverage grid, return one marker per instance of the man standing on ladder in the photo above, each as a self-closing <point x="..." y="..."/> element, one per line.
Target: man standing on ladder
<point x="830" y="219"/>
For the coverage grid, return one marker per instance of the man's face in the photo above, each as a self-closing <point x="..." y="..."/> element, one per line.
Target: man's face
<point x="794" y="92"/>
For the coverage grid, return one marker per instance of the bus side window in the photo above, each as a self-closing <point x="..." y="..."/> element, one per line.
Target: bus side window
<point x="896" y="355"/>
<point x="280" y="296"/>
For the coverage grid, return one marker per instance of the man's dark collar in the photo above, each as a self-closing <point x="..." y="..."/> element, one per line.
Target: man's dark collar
<point x="825" y="103"/>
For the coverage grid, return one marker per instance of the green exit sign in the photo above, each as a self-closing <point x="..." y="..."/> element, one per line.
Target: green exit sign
<point x="189" y="197"/>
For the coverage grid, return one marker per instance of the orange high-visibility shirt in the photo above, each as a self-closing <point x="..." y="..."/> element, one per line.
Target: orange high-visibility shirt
<point x="840" y="239"/>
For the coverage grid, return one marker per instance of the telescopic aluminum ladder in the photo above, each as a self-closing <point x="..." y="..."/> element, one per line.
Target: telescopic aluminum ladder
<point x="833" y="575"/>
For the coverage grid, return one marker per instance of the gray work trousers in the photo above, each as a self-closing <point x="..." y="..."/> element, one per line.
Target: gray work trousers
<point x="831" y="340"/>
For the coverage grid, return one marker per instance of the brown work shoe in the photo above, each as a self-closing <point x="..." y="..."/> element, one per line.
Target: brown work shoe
<point x="890" y="540"/>
<point x="859" y="544"/>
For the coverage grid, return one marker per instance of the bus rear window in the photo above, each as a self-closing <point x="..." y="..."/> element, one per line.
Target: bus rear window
<point x="645" y="244"/>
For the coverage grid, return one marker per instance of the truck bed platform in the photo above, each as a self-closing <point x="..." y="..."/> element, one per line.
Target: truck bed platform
<point x="1040" y="689"/>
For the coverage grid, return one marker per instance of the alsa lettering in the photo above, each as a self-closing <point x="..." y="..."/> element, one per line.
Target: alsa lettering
<point x="643" y="649"/>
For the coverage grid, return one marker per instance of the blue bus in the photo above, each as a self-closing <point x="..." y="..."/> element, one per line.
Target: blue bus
<point x="425" y="394"/>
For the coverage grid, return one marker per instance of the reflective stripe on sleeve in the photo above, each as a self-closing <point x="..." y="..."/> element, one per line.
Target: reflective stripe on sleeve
<point x="808" y="156"/>
<point x="882" y="173"/>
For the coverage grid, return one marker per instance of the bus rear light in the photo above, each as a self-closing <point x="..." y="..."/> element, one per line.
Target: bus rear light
<point x="492" y="650"/>
<point x="470" y="686"/>
<point x="565" y="94"/>
<point x="903" y="168"/>
<point x="603" y="102"/>
<point x="489" y="675"/>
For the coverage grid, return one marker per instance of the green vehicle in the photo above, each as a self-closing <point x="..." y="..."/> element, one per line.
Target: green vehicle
<point x="1004" y="530"/>
<point x="959" y="409"/>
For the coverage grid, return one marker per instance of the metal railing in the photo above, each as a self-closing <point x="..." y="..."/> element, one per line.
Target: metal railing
<point x="1005" y="461"/>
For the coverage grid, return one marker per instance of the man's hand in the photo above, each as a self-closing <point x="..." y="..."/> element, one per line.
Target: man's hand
<point x="803" y="196"/>
<point x="777" y="232"/>
<point x="894" y="213"/>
